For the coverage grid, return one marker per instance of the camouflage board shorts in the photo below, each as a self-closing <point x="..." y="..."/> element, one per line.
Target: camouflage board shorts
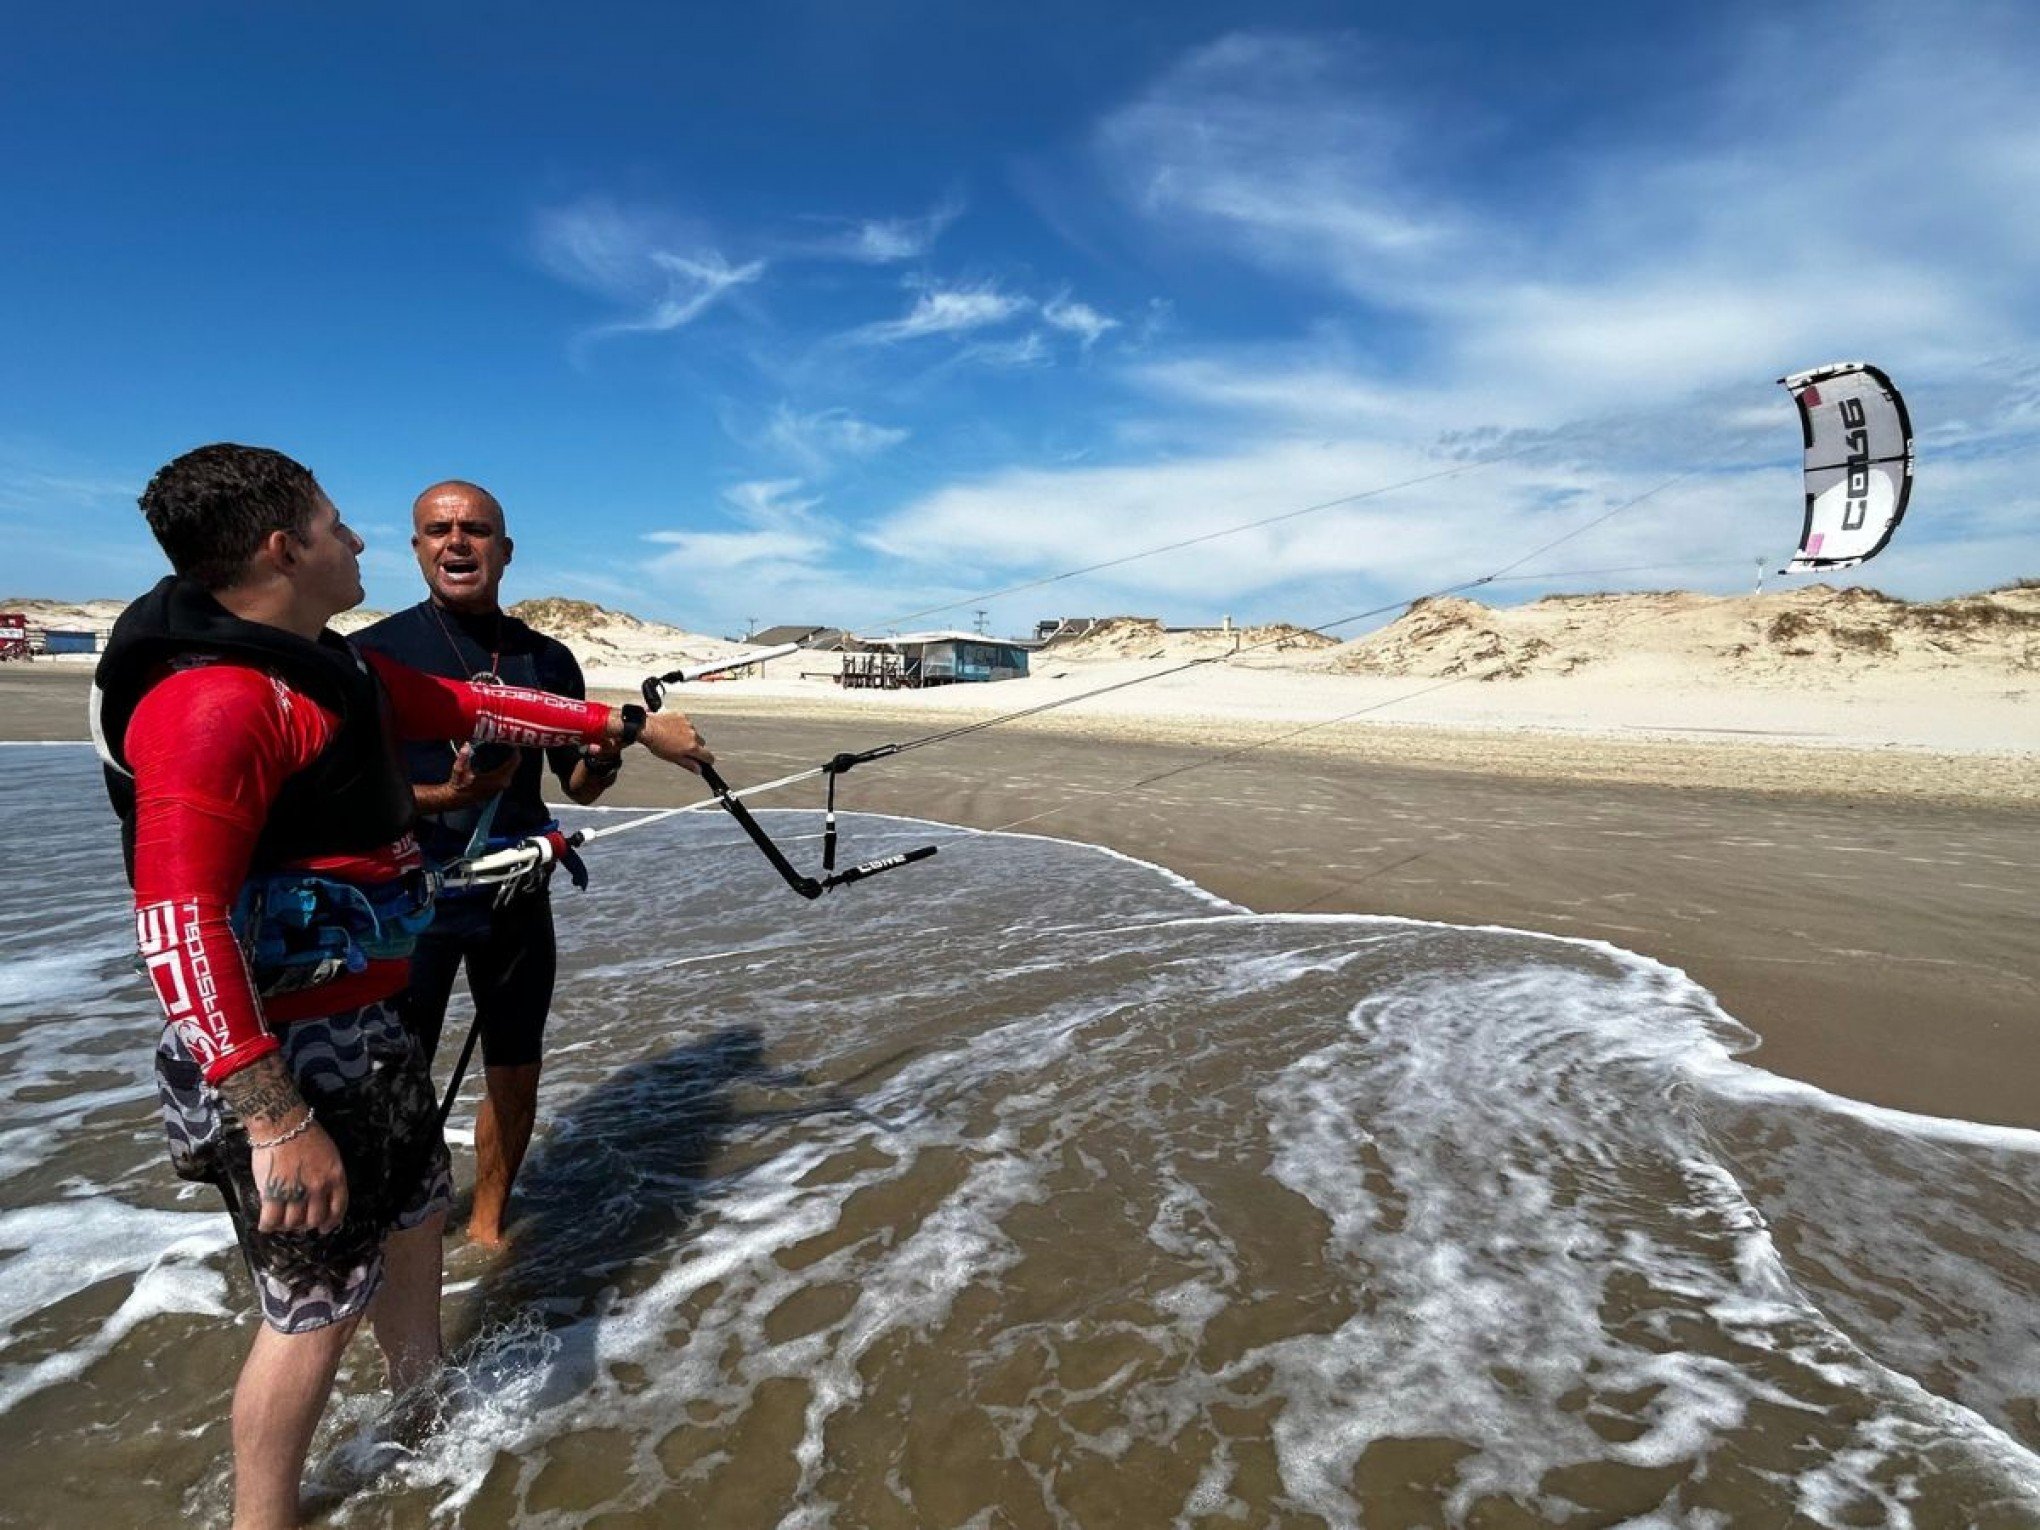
<point x="372" y="1088"/>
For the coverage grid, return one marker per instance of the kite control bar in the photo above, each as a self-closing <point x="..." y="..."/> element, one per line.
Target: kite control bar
<point x="808" y="887"/>
<point x="799" y="881"/>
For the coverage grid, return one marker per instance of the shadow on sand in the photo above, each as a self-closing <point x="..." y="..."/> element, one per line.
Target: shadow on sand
<point x="618" y="1178"/>
<point x="617" y="1182"/>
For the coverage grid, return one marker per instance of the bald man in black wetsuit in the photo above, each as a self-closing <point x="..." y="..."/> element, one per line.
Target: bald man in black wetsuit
<point x="460" y="631"/>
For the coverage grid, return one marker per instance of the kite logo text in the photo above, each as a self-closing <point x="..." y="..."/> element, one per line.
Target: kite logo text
<point x="1856" y="506"/>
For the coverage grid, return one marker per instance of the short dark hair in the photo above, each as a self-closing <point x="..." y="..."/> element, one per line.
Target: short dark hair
<point x="213" y="507"/>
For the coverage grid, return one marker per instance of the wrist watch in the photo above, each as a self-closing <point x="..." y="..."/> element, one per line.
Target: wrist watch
<point x="633" y="724"/>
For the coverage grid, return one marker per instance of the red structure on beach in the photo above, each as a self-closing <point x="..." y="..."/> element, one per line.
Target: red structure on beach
<point x="13" y="636"/>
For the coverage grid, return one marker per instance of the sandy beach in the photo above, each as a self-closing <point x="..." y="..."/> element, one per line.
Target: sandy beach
<point x="1858" y="896"/>
<point x="1031" y="1148"/>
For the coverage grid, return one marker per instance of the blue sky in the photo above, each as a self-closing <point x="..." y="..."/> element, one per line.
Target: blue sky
<point x="830" y="313"/>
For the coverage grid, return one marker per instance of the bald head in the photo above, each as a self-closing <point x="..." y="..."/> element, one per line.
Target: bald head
<point x="455" y="496"/>
<point x="463" y="546"/>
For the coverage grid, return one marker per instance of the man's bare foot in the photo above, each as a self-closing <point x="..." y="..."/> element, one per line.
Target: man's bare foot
<point x="485" y="1237"/>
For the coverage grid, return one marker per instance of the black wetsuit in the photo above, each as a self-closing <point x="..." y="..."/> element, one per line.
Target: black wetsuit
<point x="510" y="952"/>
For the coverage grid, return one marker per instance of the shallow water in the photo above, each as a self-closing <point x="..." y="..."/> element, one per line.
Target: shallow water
<point x="1033" y="1186"/>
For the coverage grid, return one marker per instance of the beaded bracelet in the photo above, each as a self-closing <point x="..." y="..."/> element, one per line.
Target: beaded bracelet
<point x="296" y="1131"/>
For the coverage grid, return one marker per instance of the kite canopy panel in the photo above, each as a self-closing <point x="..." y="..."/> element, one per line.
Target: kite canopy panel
<point x="1859" y="464"/>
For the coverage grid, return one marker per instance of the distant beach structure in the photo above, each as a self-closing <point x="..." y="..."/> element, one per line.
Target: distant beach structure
<point x="21" y="639"/>
<point x="944" y="658"/>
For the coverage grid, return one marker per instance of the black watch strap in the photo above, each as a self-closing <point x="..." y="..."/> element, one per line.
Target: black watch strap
<point x="633" y="724"/>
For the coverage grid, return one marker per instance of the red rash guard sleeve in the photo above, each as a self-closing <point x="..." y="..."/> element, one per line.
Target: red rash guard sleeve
<point x="210" y="746"/>
<point x="428" y="707"/>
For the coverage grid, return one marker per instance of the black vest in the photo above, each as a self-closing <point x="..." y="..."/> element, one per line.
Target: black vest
<point x="355" y="798"/>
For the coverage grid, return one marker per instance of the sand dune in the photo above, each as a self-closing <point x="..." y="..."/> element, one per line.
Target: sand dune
<point x="598" y="637"/>
<point x="1815" y="634"/>
<point x="1137" y="637"/>
<point x="1815" y="689"/>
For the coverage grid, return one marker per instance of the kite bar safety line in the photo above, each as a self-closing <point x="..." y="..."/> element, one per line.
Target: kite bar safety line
<point x="732" y="802"/>
<point x="659" y="815"/>
<point x="513" y="866"/>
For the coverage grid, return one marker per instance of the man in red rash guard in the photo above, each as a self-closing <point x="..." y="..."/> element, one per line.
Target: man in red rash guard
<point x="252" y="756"/>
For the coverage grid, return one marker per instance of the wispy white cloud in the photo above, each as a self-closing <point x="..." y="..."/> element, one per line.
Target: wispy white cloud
<point x="780" y="535"/>
<point x="1624" y="323"/>
<point x="1336" y="561"/>
<point x="24" y="487"/>
<point x="771" y="501"/>
<point x="1288" y="148"/>
<point x="782" y="566"/>
<point x="946" y="311"/>
<point x="1774" y="227"/>
<point x="1079" y="319"/>
<point x="1304" y="387"/>
<point x="70" y="525"/>
<point x="892" y="241"/>
<point x="694" y="284"/>
<point x="698" y="553"/>
<point x="1028" y="350"/>
<point x="665" y="271"/>
<point x="818" y="441"/>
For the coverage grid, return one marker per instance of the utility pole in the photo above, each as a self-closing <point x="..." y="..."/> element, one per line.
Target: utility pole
<point x="750" y="627"/>
<point x="983" y="627"/>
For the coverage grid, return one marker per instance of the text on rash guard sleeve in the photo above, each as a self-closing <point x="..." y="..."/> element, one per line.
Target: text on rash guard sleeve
<point x="210" y="747"/>
<point x="428" y="707"/>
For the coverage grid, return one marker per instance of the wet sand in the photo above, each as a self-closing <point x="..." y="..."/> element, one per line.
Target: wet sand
<point x="1884" y="946"/>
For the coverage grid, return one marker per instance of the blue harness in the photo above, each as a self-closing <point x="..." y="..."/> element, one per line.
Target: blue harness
<point x="301" y="930"/>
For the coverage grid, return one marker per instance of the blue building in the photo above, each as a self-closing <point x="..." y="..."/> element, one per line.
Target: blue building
<point x="947" y="658"/>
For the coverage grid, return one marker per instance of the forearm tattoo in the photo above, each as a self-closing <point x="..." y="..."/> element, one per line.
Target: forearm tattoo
<point x="262" y="1091"/>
